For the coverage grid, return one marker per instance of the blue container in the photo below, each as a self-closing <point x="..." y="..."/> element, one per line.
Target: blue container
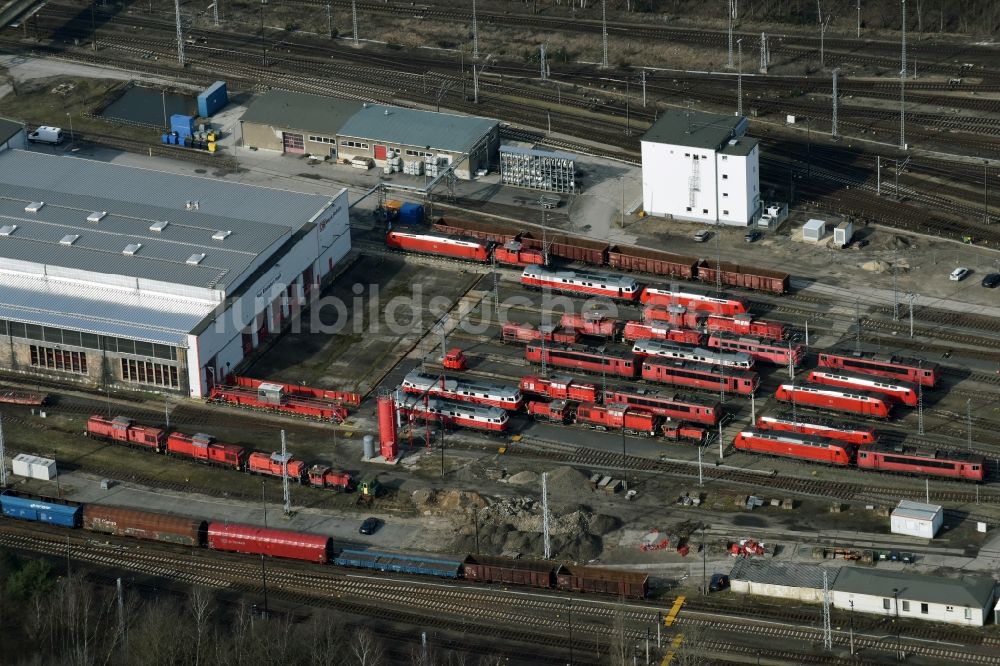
<point x="411" y="213"/>
<point x="399" y="563"/>
<point x="181" y="124"/>
<point x="165" y="138"/>
<point x="212" y="99"/>
<point x="41" y="510"/>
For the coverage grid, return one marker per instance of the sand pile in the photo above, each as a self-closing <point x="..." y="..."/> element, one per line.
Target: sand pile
<point x="446" y="502"/>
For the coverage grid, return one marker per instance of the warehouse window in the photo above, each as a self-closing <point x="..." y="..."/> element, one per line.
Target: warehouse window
<point x="354" y="144"/>
<point x="146" y="372"/>
<point x="725" y="194"/>
<point x="705" y="211"/>
<point x="689" y="209"/>
<point x="725" y="176"/>
<point x="417" y="153"/>
<point x="322" y="139"/>
<point x="906" y="606"/>
<point x="725" y="157"/>
<point x="725" y="212"/>
<point x="57" y="359"/>
<point x="968" y="613"/>
<point x="924" y="609"/>
<point x="950" y="609"/>
<point x="885" y="604"/>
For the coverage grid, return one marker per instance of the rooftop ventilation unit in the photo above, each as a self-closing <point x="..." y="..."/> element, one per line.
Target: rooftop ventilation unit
<point x="131" y="249"/>
<point x="191" y="205"/>
<point x="97" y="216"/>
<point x="34" y="207"/>
<point x="221" y="235"/>
<point x="195" y="258"/>
<point x="69" y="239"/>
<point x="7" y="229"/>
<point x="158" y="226"/>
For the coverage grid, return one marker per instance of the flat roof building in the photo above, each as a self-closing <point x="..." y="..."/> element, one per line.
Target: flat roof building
<point x="300" y="123"/>
<point x="123" y="275"/>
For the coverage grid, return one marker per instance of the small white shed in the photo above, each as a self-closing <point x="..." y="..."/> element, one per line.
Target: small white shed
<point x="916" y="519"/>
<point x="843" y="233"/>
<point x="814" y="230"/>
<point x="34" y="467"/>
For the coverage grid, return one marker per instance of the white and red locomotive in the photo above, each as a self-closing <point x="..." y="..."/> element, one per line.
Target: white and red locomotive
<point x="900" y="391"/>
<point x="462" y="390"/>
<point x="681" y="352"/>
<point x="761" y="349"/>
<point x="585" y="359"/>
<point x="852" y="433"/>
<point x="894" y="367"/>
<point x="661" y="330"/>
<point x="700" y="376"/>
<point x="456" y="414"/>
<point x="618" y="287"/>
<point x="693" y="301"/>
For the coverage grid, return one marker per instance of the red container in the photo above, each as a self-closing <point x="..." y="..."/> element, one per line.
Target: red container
<point x="271" y="464"/>
<point x="488" y="569"/>
<point x="645" y="260"/>
<point x="630" y="584"/>
<point x="488" y="231"/>
<point x="204" y="448"/>
<point x="143" y="525"/>
<point x="253" y="540"/>
<point x="442" y="246"/>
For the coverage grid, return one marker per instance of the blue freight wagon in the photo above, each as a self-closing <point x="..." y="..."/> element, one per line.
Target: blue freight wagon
<point x="44" y="510"/>
<point x="399" y="563"/>
<point x="212" y="99"/>
<point x="411" y="213"/>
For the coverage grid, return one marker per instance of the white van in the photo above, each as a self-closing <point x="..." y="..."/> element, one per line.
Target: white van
<point x="46" y="134"/>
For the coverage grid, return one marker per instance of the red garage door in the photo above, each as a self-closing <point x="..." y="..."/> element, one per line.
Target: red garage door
<point x="292" y="143"/>
<point x="379" y="152"/>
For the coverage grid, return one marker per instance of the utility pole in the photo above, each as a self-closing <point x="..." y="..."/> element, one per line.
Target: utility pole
<point x="968" y="422"/>
<point x="542" y="57"/>
<point x="833" y="122"/>
<point x="121" y="616"/>
<point x="624" y="460"/>
<point x="912" y="297"/>
<point x="604" y="33"/>
<point x="857" y="325"/>
<point x="822" y="42"/>
<point x="475" y="37"/>
<point x="3" y="458"/>
<point x="851" y="602"/>
<point x="895" y="290"/>
<point x="920" y="403"/>
<point x="827" y="629"/>
<point x="644" y="88"/>
<point x="763" y="53"/>
<point x="729" y="62"/>
<point x="859" y="37"/>
<point x="701" y="479"/>
<point x="545" y="515"/>
<point x="215" y="12"/>
<point x="180" y="33"/>
<point x="354" y="20"/>
<point x="284" y="476"/>
<point x="986" y="199"/>
<point x="739" y="79"/>
<point x="878" y="175"/>
<point x="902" y="84"/>
<point x="329" y="20"/>
<point x="263" y="39"/>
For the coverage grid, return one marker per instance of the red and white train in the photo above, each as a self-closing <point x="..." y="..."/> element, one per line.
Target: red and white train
<point x="802" y="447"/>
<point x="700" y="376"/>
<point x="525" y="333"/>
<point x="893" y="367"/>
<point x="681" y="352"/>
<point x="584" y="359"/>
<point x="693" y="301"/>
<point x="618" y="287"/>
<point x="687" y="408"/>
<point x="852" y="433"/>
<point x="463" y="390"/>
<point x="469" y="249"/>
<point x="560" y="388"/>
<point x="661" y="330"/>
<point x="829" y="397"/>
<point x="901" y="460"/>
<point x="745" y="324"/>
<point x="456" y="414"/>
<point x="761" y="349"/>
<point x="902" y="392"/>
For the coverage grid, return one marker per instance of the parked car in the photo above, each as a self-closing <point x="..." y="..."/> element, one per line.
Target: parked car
<point x="959" y="274"/>
<point x="370" y="526"/>
<point x="991" y="281"/>
<point x="718" y="583"/>
<point x="752" y="235"/>
<point x="702" y="236"/>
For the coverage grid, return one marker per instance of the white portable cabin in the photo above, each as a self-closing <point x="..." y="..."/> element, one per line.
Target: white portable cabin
<point x="814" y="230"/>
<point x="843" y="233"/>
<point x="34" y="467"/>
<point x="916" y="519"/>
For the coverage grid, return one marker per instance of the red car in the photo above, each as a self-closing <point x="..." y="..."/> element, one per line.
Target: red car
<point x="815" y="449"/>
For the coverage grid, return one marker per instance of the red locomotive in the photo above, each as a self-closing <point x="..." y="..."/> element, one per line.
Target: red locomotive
<point x="563" y="388"/>
<point x="463" y="390"/>
<point x="614" y="416"/>
<point x="683" y="431"/>
<point x="894" y="367"/>
<point x="457" y="415"/>
<point x="692" y="301"/>
<point x="745" y="324"/>
<point x="668" y="405"/>
<point x="761" y="349"/>
<point x="675" y="315"/>
<point x="949" y="465"/>
<point x="123" y="429"/>
<point x="442" y="246"/>
<point x="584" y="359"/>
<point x="514" y="253"/>
<point x="852" y="433"/>
<point x="828" y="397"/>
<point x="581" y="284"/>
<point x="557" y="411"/>
<point x="593" y="324"/>
<point x="524" y="333"/>
<point x="204" y="448"/>
<point x="700" y="376"/>
<point x="661" y="330"/>
<point x="285" y="398"/>
<point x="321" y="476"/>
<point x="900" y="391"/>
<point x="684" y="352"/>
<point x="273" y="464"/>
<point x="816" y="449"/>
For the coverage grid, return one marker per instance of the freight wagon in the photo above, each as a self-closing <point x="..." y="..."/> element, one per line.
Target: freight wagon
<point x="144" y="525"/>
<point x="656" y="262"/>
<point x="285" y="398"/>
<point x="399" y="563"/>
<point x="489" y="569"/>
<point x="24" y="506"/>
<point x="495" y="232"/>
<point x="15" y="397"/>
<point x="629" y="584"/>
<point x="572" y="248"/>
<point x="746" y="277"/>
<point x="253" y="540"/>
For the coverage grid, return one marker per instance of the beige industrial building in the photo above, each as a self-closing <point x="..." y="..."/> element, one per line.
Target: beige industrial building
<point x="304" y="124"/>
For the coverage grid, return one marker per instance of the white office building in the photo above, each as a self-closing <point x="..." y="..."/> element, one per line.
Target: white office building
<point x="701" y="167"/>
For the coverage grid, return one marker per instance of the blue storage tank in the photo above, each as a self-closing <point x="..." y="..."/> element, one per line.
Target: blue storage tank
<point x="411" y="213"/>
<point x="399" y="563"/>
<point x="212" y="99"/>
<point x="40" y="509"/>
<point x="181" y="124"/>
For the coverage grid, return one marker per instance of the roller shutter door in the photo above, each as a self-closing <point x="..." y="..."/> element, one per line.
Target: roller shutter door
<point x="292" y="143"/>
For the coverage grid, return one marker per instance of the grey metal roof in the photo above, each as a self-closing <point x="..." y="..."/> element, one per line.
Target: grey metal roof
<point x="518" y="150"/>
<point x="792" y="575"/>
<point x="968" y="591"/>
<point x="104" y="311"/>
<point x="412" y="127"/>
<point x="9" y="128"/>
<point x="740" y="147"/>
<point x="916" y="510"/>
<point x="301" y="111"/>
<point x="134" y="199"/>
<point x="695" y="129"/>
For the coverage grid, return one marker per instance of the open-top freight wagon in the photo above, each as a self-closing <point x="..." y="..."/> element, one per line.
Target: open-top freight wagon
<point x="285" y="398"/>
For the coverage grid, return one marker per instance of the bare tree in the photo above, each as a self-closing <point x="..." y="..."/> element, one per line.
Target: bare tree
<point x="366" y="648"/>
<point x="619" y="644"/>
<point x="199" y="602"/>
